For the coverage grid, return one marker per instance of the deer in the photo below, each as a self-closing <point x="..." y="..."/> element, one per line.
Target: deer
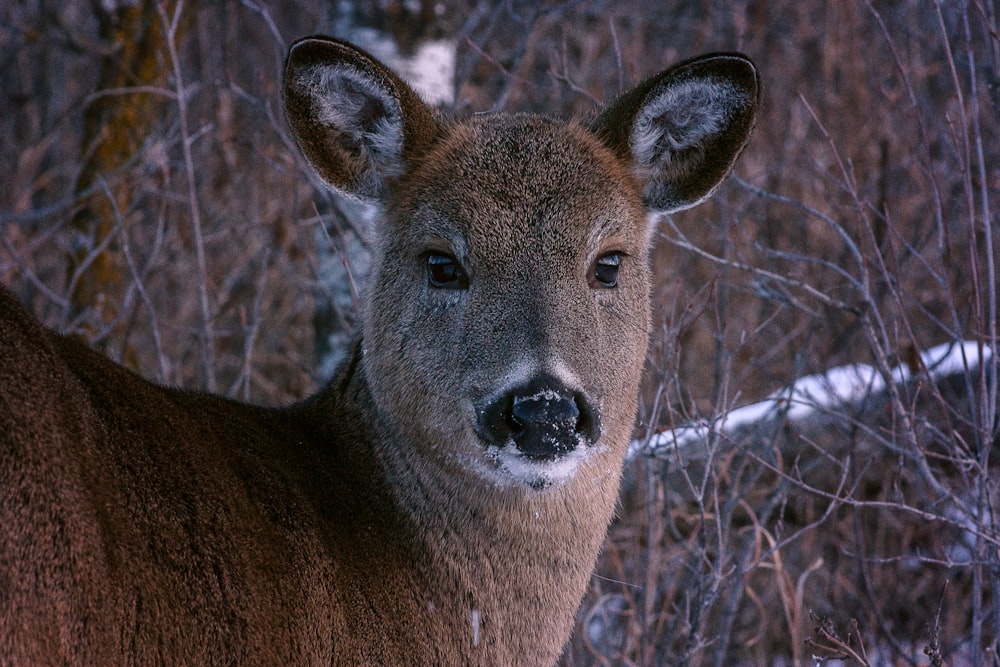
<point x="443" y="499"/>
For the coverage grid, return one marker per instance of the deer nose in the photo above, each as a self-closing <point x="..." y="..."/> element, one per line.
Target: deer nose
<point x="544" y="419"/>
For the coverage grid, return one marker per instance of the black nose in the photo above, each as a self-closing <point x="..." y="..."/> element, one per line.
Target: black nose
<point x="544" y="419"/>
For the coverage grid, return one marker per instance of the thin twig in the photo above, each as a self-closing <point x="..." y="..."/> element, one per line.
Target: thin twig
<point x="207" y="335"/>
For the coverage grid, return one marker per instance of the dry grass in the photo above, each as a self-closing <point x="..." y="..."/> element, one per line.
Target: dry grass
<point x="861" y="227"/>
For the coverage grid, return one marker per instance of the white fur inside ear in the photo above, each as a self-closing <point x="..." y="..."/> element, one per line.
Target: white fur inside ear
<point x="680" y="119"/>
<point x="358" y="107"/>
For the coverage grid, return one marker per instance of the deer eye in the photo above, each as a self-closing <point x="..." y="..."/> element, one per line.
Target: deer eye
<point x="444" y="272"/>
<point x="605" y="273"/>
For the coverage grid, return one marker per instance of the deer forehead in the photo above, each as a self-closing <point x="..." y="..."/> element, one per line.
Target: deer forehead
<point x="514" y="181"/>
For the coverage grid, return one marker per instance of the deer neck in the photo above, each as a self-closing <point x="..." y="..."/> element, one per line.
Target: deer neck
<point x="507" y="567"/>
<point x="504" y="567"/>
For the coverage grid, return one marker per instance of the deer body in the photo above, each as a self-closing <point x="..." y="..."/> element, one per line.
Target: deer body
<point x="443" y="499"/>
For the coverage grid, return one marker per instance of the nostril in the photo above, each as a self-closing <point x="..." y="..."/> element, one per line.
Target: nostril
<point x="494" y="421"/>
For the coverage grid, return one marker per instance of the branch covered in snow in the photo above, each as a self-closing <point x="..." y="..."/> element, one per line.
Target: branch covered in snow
<point x="812" y="394"/>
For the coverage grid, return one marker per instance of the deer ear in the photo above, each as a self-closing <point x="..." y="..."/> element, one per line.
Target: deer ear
<point x="357" y="123"/>
<point x="683" y="129"/>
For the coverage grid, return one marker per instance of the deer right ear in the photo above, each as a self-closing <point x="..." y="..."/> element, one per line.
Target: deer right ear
<point x="683" y="129"/>
<point x="357" y="123"/>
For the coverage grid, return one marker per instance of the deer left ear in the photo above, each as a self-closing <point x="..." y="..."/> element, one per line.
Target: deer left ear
<point x="683" y="129"/>
<point x="358" y="124"/>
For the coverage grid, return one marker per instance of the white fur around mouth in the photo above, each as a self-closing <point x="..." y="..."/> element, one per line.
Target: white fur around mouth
<point x="513" y="465"/>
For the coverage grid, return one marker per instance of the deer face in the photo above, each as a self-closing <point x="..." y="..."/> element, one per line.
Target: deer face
<point x="509" y="308"/>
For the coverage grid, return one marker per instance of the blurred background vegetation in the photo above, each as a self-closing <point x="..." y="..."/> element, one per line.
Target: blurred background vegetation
<point x="154" y="205"/>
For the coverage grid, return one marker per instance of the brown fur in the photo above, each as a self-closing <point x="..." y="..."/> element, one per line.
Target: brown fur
<point x="370" y="524"/>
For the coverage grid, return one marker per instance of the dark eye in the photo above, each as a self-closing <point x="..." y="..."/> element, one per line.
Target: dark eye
<point x="606" y="270"/>
<point x="444" y="272"/>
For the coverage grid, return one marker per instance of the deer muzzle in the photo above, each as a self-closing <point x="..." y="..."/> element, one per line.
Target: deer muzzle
<point x="544" y="419"/>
